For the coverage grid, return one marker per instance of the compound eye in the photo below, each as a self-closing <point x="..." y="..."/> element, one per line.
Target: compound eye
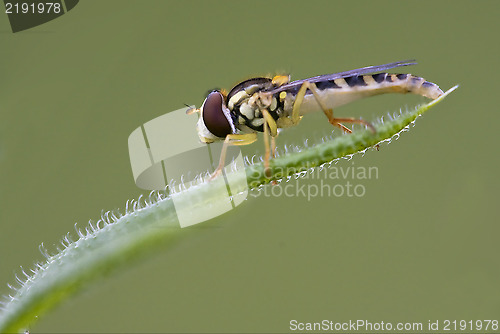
<point x="213" y="116"/>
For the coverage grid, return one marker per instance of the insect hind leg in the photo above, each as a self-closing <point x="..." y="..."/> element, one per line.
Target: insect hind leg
<point x="327" y="111"/>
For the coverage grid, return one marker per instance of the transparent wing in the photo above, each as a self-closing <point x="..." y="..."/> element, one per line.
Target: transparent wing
<point x="359" y="71"/>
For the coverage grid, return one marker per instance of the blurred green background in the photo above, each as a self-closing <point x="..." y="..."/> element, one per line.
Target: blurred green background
<point x="421" y="244"/>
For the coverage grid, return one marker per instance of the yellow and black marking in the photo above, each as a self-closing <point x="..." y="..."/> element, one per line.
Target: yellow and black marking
<point x="244" y="114"/>
<point x="384" y="82"/>
<point x="265" y="104"/>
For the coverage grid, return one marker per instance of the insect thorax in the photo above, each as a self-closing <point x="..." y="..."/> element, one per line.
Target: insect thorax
<point x="248" y="111"/>
<point x="246" y="101"/>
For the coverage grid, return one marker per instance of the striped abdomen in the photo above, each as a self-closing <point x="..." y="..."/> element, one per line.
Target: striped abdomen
<point x="340" y="91"/>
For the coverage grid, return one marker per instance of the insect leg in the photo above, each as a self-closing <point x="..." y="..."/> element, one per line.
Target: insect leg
<point x="270" y="130"/>
<point x="267" y="170"/>
<point x="273" y="147"/>
<point x="232" y="139"/>
<point x="328" y="111"/>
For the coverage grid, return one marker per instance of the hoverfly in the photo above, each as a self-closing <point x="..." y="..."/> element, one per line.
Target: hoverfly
<point x="265" y="104"/>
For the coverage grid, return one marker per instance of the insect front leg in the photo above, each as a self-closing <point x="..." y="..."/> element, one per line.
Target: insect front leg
<point x="327" y="111"/>
<point x="232" y="139"/>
